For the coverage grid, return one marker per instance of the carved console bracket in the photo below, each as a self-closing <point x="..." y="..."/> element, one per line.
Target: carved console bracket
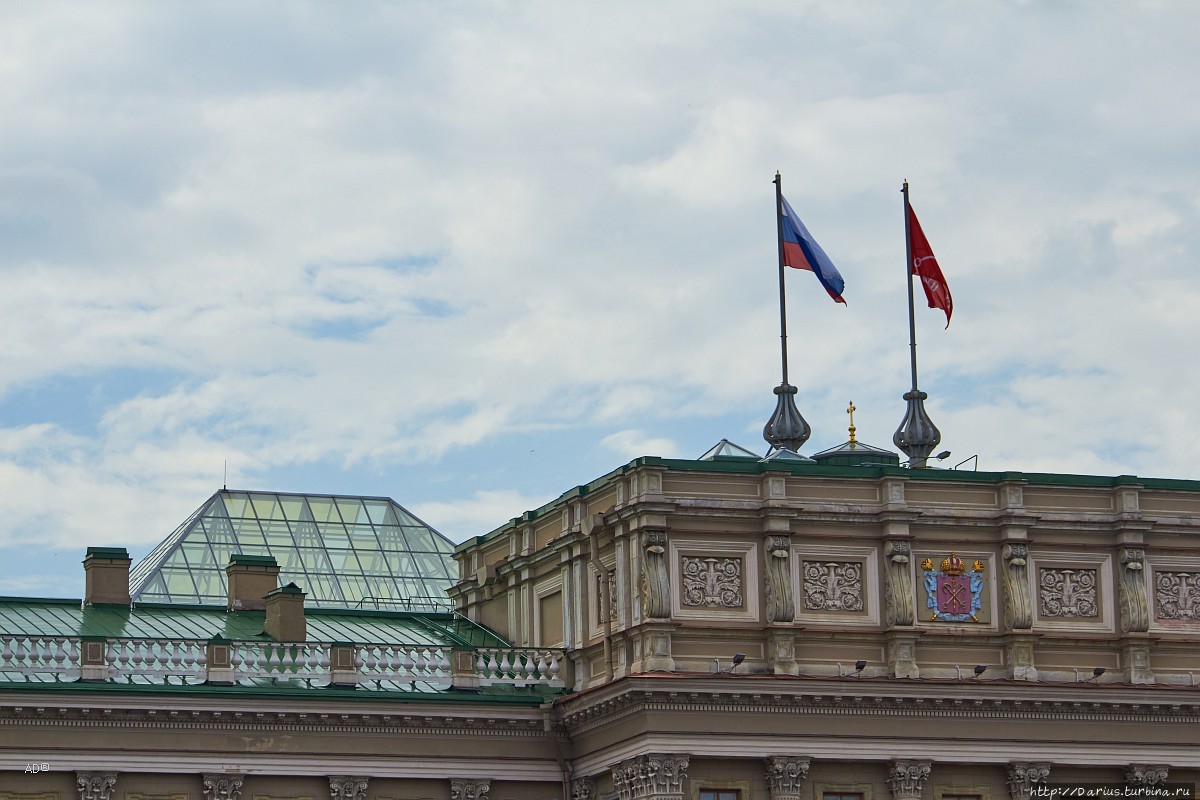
<point x="1135" y="614"/>
<point x="655" y="776"/>
<point x="907" y="778"/>
<point x="786" y="776"/>
<point x="656" y="588"/>
<point x="898" y="589"/>
<point x="1018" y="610"/>
<point x="781" y="606"/>
<point x="1024" y="775"/>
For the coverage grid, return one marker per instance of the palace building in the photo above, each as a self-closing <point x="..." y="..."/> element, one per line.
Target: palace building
<point x="839" y="627"/>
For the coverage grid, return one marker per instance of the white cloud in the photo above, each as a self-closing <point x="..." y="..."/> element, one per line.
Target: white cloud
<point x="630" y="444"/>
<point x="378" y="240"/>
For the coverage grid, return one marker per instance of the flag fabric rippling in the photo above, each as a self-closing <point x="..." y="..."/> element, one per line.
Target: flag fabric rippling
<point x="801" y="251"/>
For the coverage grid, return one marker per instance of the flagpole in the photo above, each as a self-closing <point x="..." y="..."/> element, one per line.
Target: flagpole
<point x="912" y="317"/>
<point x="782" y="302"/>
<point x="786" y="429"/>
<point x="917" y="435"/>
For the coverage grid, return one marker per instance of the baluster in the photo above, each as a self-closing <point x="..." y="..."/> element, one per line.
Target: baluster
<point x="178" y="651"/>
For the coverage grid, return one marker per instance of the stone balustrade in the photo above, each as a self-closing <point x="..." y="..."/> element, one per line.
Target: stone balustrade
<point x="396" y="666"/>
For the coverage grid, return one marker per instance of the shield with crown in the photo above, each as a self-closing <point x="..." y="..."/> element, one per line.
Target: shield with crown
<point x="954" y="593"/>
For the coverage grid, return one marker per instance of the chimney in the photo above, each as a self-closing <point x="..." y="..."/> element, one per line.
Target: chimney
<point x="285" y="614"/>
<point x="250" y="578"/>
<point x="106" y="573"/>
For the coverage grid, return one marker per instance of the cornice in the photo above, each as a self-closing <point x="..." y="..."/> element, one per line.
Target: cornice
<point x="922" y="700"/>
<point x="249" y="714"/>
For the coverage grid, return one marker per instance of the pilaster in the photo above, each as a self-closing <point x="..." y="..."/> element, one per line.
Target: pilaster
<point x="655" y="776"/>
<point x="907" y="777"/>
<point x="469" y="788"/>
<point x="901" y="650"/>
<point x="222" y="785"/>
<point x="1019" y="656"/>
<point x="583" y="789"/>
<point x="786" y="776"/>
<point x="1135" y="658"/>
<point x="1146" y="774"/>
<point x="1024" y="775"/>
<point x="348" y="787"/>
<point x="96" y="785"/>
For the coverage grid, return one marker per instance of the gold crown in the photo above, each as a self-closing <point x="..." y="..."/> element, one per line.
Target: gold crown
<point x="953" y="565"/>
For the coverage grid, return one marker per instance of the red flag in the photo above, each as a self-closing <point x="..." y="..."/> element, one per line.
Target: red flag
<point x="925" y="266"/>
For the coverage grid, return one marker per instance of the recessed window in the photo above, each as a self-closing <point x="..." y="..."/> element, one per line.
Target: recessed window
<point x="721" y="794"/>
<point x="843" y="796"/>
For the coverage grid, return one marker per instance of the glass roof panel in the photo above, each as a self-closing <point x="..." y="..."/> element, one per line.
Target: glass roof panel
<point x="324" y="509"/>
<point x="352" y="510"/>
<point x="344" y="552"/>
<point x="237" y="504"/>
<point x="266" y="506"/>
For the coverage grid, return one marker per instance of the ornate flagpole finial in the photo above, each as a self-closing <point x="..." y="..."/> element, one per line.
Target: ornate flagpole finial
<point x="851" y="411"/>
<point x="786" y="429"/>
<point x="917" y="435"/>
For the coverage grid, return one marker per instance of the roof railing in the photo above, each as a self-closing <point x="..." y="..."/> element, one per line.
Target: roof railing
<point x="219" y="661"/>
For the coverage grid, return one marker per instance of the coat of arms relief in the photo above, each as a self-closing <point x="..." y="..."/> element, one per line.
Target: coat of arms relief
<point x="955" y="591"/>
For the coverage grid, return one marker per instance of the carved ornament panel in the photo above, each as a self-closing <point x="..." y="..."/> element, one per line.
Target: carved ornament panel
<point x="833" y="585"/>
<point x="1177" y="596"/>
<point x="712" y="582"/>
<point x="1068" y="592"/>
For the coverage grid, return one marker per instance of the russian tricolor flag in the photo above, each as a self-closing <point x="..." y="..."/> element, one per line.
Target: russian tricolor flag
<point x="801" y="251"/>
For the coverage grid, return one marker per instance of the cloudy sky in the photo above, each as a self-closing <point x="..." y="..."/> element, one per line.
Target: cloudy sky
<point x="469" y="255"/>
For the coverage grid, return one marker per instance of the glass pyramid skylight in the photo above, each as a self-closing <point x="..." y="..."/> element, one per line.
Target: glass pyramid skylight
<point x="344" y="552"/>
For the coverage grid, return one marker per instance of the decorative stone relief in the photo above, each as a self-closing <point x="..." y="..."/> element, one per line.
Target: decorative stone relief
<point x="1177" y="595"/>
<point x="786" y="776"/>
<point x="1146" y="774"/>
<point x="469" y="788"/>
<point x="833" y="586"/>
<point x="1131" y="590"/>
<point x="222" y="786"/>
<point x="898" y="589"/>
<point x="347" y="787"/>
<point x="778" y="580"/>
<point x="712" y="581"/>
<point x="1068" y="592"/>
<point x="656" y="589"/>
<point x="655" y="776"/>
<point x="96" y="785"/>
<point x="1024" y="775"/>
<point x="907" y="778"/>
<point x="1018" y="611"/>
<point x="583" y="789"/>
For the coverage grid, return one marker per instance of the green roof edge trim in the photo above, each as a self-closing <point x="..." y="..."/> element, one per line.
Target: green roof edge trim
<point x="449" y="697"/>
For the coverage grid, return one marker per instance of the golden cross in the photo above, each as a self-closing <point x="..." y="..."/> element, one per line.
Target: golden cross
<point x="851" y="411"/>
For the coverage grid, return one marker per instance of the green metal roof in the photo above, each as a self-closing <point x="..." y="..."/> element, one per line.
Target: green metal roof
<point x="34" y="617"/>
<point x="344" y="552"/>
